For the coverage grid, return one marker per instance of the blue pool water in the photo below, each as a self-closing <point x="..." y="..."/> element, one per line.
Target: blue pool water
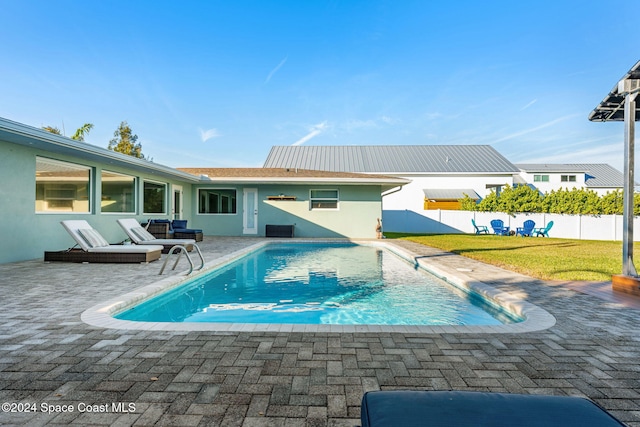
<point x="341" y="284"/>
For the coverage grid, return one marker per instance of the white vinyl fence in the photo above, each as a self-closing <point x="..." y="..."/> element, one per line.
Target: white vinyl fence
<point x="586" y="227"/>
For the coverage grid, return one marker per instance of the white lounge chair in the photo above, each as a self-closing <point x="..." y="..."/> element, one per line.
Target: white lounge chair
<point x="95" y="248"/>
<point x="140" y="236"/>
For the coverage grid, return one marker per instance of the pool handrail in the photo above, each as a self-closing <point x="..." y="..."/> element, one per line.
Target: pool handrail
<point x="182" y="250"/>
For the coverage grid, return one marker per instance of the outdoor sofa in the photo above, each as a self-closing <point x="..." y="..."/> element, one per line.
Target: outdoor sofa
<point x="176" y="229"/>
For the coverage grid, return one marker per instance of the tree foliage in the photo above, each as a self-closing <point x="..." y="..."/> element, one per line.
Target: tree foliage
<point x="125" y="141"/>
<point x="78" y="135"/>
<point x="525" y="199"/>
<point x="52" y="129"/>
<point x="82" y="131"/>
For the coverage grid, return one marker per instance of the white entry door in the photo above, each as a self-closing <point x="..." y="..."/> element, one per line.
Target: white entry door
<point x="176" y="205"/>
<point x="250" y="213"/>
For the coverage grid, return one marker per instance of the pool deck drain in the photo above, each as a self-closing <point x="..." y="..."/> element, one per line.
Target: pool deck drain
<point x="293" y="378"/>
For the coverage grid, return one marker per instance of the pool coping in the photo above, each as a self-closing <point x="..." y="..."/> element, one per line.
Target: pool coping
<point x="535" y="318"/>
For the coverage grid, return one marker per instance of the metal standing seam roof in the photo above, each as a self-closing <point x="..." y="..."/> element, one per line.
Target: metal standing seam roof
<point x="598" y="174"/>
<point x="394" y="159"/>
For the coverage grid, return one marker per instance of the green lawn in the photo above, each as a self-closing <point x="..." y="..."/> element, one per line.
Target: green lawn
<point x="544" y="258"/>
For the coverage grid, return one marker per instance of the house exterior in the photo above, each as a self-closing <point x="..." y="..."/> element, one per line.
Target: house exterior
<point x="440" y="175"/>
<point x="315" y="203"/>
<point x="599" y="177"/>
<point x="48" y="178"/>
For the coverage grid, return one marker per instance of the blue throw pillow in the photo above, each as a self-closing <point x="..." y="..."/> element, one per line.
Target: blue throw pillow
<point x="179" y="224"/>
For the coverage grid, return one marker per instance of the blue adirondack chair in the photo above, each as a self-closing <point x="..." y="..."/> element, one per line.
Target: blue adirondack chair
<point x="499" y="228"/>
<point x="544" y="231"/>
<point x="480" y="229"/>
<point x="526" y="229"/>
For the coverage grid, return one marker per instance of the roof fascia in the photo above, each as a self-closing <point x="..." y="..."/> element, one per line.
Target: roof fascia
<point x="18" y="133"/>
<point x="305" y="181"/>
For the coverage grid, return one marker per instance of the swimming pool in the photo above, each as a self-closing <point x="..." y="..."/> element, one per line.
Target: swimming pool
<point x="312" y="283"/>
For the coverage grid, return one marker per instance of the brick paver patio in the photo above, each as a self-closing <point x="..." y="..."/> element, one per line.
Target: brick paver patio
<point x="50" y="358"/>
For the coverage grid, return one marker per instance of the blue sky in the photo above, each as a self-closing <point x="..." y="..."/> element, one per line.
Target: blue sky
<point x="217" y="83"/>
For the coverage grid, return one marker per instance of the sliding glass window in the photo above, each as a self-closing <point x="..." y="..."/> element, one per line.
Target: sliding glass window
<point x="217" y="201"/>
<point x="155" y="198"/>
<point x="62" y="187"/>
<point x="118" y="193"/>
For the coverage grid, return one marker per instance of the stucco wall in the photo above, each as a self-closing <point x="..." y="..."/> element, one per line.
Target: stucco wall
<point x="358" y="209"/>
<point x="27" y="234"/>
<point x="411" y="196"/>
<point x="554" y="182"/>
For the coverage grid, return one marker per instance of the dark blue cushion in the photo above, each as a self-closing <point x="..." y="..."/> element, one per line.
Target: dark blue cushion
<point x="179" y="224"/>
<point x="187" y="230"/>
<point x="476" y="409"/>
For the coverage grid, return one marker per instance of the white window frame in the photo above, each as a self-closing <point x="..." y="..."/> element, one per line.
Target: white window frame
<point x="313" y="200"/>
<point x="67" y="165"/>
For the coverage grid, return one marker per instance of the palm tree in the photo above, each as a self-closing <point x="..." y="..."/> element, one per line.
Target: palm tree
<point x="78" y="136"/>
<point x="82" y="131"/>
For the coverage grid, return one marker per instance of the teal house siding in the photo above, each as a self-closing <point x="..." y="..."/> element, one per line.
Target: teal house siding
<point x="356" y="215"/>
<point x="48" y="178"/>
<point x="22" y="233"/>
<point x="32" y="233"/>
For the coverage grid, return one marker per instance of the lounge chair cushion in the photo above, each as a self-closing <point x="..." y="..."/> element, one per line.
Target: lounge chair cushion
<point x="142" y="234"/>
<point x="92" y="237"/>
<point x="408" y="408"/>
<point x="123" y="249"/>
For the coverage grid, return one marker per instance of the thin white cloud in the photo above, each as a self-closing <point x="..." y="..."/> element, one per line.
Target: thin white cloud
<point x="313" y="132"/>
<point x="611" y="153"/>
<point x="275" y="70"/>
<point x="529" y="105"/>
<point x="206" y="135"/>
<point x="433" y="116"/>
<point x="388" y="120"/>
<point x="358" y="124"/>
<point x="535" y="129"/>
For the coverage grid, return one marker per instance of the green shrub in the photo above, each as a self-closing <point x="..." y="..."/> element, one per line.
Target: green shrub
<point x="525" y="199"/>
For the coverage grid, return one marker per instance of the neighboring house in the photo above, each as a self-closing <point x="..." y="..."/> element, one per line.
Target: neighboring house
<point x="47" y="178"/>
<point x="546" y="177"/>
<point x="440" y="174"/>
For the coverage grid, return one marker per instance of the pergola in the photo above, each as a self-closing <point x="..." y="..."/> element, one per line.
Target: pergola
<point x="620" y="105"/>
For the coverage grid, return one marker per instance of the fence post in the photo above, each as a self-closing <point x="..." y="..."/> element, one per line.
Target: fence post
<point x="579" y="226"/>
